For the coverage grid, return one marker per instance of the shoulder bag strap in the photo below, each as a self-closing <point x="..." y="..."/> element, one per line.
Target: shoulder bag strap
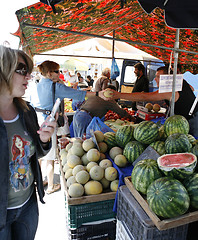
<point x="53" y="91"/>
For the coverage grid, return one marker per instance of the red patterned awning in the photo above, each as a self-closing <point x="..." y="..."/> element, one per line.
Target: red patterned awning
<point x="101" y="17"/>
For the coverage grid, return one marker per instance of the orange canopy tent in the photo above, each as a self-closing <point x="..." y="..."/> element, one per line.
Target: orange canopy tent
<point x="42" y="30"/>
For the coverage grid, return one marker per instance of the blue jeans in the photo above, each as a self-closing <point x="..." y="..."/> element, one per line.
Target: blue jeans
<point x="22" y="222"/>
<point x="81" y="121"/>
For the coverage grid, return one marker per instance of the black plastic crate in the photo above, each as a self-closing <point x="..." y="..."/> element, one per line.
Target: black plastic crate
<point x="97" y="231"/>
<point x="138" y="222"/>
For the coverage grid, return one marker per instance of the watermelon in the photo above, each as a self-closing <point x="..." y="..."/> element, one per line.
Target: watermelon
<point x="194" y="149"/>
<point x="162" y="135"/>
<point x="132" y="150"/>
<point x="178" y="165"/>
<point x="191" y="139"/>
<point x="144" y="173"/>
<point x="146" y="132"/>
<point x="124" y="135"/>
<point x="195" y="142"/>
<point x="109" y="139"/>
<point x="159" y="147"/>
<point x="176" y="124"/>
<point x="191" y="185"/>
<point x="177" y="143"/>
<point x="167" y="197"/>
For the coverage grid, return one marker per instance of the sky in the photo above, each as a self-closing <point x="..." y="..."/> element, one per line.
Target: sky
<point x="9" y="22"/>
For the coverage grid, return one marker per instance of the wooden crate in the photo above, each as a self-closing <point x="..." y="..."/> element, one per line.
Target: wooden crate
<point x="86" y="209"/>
<point x="160" y="224"/>
<point x="84" y="199"/>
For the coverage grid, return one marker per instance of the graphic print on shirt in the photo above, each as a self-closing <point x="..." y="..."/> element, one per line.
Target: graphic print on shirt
<point x="19" y="164"/>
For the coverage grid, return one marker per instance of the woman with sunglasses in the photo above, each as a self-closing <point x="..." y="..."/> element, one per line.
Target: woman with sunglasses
<point x="50" y="72"/>
<point x="21" y="143"/>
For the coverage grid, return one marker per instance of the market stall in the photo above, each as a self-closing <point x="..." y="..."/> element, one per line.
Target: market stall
<point x="77" y="21"/>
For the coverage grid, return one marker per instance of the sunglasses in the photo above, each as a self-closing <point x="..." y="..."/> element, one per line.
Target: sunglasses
<point x="56" y="71"/>
<point x="22" y="69"/>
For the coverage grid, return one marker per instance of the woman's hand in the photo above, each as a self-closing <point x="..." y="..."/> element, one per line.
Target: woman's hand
<point x="46" y="132"/>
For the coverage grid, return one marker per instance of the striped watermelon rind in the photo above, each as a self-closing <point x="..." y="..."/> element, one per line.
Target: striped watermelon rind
<point x="124" y="135"/>
<point x="132" y="150"/>
<point x="178" y="165"/>
<point x="109" y="139"/>
<point x="159" y="147"/>
<point x="146" y="132"/>
<point x="162" y="135"/>
<point x="194" y="150"/>
<point x="191" y="185"/>
<point x="191" y="139"/>
<point x="144" y="173"/>
<point x="177" y="143"/>
<point x="176" y="124"/>
<point x="167" y="197"/>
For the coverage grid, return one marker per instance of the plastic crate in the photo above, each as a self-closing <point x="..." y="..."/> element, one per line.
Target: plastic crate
<point x="105" y="230"/>
<point x="138" y="222"/>
<point x="76" y="215"/>
<point x="122" y="232"/>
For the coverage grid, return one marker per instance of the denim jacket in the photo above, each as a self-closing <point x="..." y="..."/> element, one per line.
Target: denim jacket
<point x="29" y="121"/>
<point x="44" y="89"/>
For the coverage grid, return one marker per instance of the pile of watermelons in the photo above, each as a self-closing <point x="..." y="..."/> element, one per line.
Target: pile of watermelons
<point x="170" y="184"/>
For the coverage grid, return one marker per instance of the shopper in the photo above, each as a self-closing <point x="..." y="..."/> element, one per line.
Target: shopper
<point x="50" y="72"/>
<point x="21" y="143"/>
<point x="103" y="81"/>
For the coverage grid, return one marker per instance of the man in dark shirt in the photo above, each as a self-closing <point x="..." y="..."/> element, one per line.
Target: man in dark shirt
<point x="89" y="81"/>
<point x="142" y="82"/>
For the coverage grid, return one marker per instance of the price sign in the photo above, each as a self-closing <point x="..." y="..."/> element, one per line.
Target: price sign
<point x="166" y="83"/>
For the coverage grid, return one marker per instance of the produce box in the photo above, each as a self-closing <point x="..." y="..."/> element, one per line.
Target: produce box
<point x="149" y="116"/>
<point x="87" y="208"/>
<point x="161" y="224"/>
<point x="138" y="224"/>
<point x="94" y="230"/>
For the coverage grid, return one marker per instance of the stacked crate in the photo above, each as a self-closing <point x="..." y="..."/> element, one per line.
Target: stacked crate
<point x="89" y="217"/>
<point x="134" y="224"/>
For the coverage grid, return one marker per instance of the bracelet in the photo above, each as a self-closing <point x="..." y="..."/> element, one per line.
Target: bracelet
<point x="97" y="94"/>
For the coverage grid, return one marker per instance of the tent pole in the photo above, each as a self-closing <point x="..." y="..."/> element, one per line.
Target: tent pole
<point x="176" y="47"/>
<point x="113" y="46"/>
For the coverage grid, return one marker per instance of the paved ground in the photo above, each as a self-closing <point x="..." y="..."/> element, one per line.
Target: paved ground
<point x="52" y="223"/>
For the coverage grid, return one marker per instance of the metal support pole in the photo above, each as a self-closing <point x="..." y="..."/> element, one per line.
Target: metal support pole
<point x="176" y="47"/>
<point x="113" y="46"/>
